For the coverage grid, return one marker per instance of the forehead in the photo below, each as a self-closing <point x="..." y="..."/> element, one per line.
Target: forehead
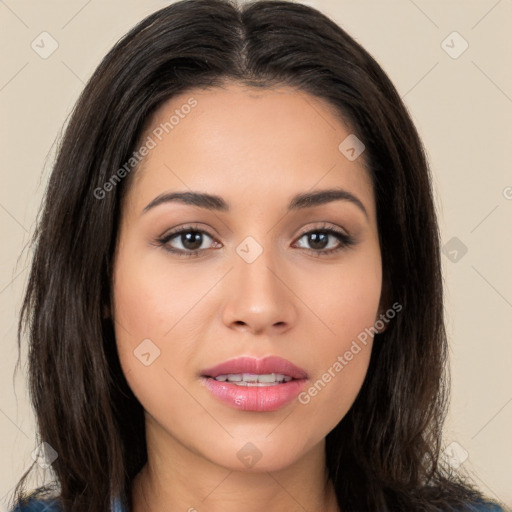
<point x="251" y="142"/>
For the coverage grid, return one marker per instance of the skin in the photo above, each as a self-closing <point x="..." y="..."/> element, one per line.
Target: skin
<point x="256" y="149"/>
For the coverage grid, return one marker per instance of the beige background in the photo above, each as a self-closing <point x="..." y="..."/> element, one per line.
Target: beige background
<point x="463" y="110"/>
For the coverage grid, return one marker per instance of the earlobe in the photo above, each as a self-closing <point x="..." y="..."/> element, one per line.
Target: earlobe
<point x="381" y="321"/>
<point x="106" y="311"/>
<point x="381" y="330"/>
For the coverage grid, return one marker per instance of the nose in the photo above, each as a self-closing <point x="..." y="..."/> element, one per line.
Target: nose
<point x="259" y="296"/>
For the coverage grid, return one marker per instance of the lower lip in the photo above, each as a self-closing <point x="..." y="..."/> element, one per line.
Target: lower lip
<point x="255" y="398"/>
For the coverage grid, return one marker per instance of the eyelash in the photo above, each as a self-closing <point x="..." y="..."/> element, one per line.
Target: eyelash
<point x="347" y="241"/>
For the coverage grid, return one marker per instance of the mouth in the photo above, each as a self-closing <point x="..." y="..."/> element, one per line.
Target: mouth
<point x="253" y="379"/>
<point x="269" y="370"/>
<point x="252" y="384"/>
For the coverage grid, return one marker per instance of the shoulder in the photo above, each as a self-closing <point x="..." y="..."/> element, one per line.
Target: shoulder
<point x="36" y="505"/>
<point x="484" y="507"/>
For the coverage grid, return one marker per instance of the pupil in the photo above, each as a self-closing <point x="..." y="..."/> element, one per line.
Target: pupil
<point x="190" y="238"/>
<point x="318" y="241"/>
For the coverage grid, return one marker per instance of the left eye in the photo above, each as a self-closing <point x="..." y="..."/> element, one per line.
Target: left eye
<point x="319" y="240"/>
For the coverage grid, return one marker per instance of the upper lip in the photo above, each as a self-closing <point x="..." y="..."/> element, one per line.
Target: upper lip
<point x="271" y="364"/>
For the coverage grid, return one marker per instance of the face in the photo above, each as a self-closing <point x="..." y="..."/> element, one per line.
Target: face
<point x="255" y="273"/>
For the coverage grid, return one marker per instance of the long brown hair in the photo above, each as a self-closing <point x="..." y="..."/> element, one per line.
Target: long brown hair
<point x="384" y="455"/>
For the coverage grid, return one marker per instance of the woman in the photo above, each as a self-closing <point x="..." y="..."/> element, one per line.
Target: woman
<point x="236" y="296"/>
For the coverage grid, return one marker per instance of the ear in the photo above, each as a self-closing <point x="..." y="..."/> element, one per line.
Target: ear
<point x="381" y="322"/>
<point x="106" y="302"/>
<point x="106" y="311"/>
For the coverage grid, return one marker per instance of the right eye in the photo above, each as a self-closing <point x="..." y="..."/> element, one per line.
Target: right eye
<point x="190" y="238"/>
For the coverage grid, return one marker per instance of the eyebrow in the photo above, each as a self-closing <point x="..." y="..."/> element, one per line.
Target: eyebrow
<point x="217" y="203"/>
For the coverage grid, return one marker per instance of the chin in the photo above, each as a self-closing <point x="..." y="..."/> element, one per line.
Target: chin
<point x="257" y="456"/>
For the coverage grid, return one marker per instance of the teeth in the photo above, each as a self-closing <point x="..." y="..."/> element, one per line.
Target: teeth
<point x="251" y="379"/>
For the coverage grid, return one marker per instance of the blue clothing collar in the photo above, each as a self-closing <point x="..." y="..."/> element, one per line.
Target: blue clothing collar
<point x="118" y="506"/>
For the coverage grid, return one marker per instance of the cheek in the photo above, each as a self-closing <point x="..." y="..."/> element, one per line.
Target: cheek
<point x="156" y="315"/>
<point x="346" y="303"/>
<point x="151" y="297"/>
<point x="345" y="300"/>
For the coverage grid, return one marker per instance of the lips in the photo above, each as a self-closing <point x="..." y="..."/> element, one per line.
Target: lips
<point x="272" y="364"/>
<point x="265" y="396"/>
